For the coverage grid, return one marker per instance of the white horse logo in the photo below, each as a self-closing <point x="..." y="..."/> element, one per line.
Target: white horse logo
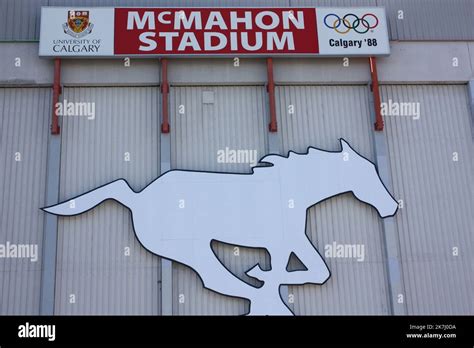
<point x="179" y="214"/>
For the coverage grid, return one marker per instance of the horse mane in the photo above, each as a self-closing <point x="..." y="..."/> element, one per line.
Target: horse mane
<point x="275" y="160"/>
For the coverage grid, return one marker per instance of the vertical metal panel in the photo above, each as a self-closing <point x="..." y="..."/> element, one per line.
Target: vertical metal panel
<point x="92" y="264"/>
<point x="430" y="19"/>
<point x="438" y="197"/>
<point x="24" y="114"/>
<point x="322" y="115"/>
<point x="50" y="230"/>
<point x="20" y="19"/>
<point x="237" y="120"/>
<point x="470" y="88"/>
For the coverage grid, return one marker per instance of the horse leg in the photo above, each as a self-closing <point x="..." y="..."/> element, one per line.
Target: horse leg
<point x="263" y="301"/>
<point x="269" y="301"/>
<point x="317" y="272"/>
<point x="216" y="277"/>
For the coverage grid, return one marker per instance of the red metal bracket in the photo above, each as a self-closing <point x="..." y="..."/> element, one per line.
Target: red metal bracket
<point x="271" y="94"/>
<point x="165" y="125"/>
<point x="57" y="90"/>
<point x="375" y="90"/>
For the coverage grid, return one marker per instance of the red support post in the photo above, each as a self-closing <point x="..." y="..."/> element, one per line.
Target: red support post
<point x="375" y="90"/>
<point x="165" y="125"/>
<point x="271" y="94"/>
<point x="56" y="92"/>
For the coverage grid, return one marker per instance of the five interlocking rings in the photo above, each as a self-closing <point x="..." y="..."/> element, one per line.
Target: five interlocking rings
<point x="351" y="21"/>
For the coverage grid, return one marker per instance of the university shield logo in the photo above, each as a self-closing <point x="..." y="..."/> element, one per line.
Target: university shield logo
<point x="78" y="24"/>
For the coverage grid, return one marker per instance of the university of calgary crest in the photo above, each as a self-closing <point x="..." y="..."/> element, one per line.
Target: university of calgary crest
<point x="78" y="24"/>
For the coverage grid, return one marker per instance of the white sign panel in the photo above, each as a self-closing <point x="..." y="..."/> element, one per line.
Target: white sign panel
<point x="352" y="31"/>
<point x="76" y="32"/>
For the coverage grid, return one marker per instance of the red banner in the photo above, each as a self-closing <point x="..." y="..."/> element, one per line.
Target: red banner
<point x="221" y="31"/>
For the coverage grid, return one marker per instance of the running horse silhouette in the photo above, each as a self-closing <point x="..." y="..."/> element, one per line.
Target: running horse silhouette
<point x="180" y="213"/>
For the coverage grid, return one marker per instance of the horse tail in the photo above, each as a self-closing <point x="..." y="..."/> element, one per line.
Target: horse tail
<point x="118" y="190"/>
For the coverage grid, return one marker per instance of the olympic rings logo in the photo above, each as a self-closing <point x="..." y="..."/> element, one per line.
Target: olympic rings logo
<point x="351" y="21"/>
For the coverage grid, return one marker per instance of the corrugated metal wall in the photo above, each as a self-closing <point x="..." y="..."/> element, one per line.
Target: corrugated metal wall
<point x="438" y="196"/>
<point x="437" y="192"/>
<point x="24" y="114"/>
<point x="422" y="19"/>
<point x="92" y="264"/>
<point x="238" y="120"/>
<point x="323" y="114"/>
<point x="20" y="19"/>
<point x="430" y="19"/>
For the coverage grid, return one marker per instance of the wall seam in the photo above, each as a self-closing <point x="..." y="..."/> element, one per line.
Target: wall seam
<point x="390" y="234"/>
<point x="50" y="232"/>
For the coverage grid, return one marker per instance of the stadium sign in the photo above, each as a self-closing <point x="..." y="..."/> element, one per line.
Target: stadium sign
<point x="109" y="32"/>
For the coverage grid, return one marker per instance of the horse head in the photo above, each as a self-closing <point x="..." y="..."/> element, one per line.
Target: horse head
<point x="365" y="183"/>
<point x="317" y="175"/>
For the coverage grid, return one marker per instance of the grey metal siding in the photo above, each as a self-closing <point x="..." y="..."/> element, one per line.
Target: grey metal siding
<point x="322" y="115"/>
<point x="24" y="115"/>
<point x="91" y="262"/>
<point x="20" y="19"/>
<point x="430" y="19"/>
<point x="423" y="19"/>
<point x="437" y="194"/>
<point x="236" y="119"/>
